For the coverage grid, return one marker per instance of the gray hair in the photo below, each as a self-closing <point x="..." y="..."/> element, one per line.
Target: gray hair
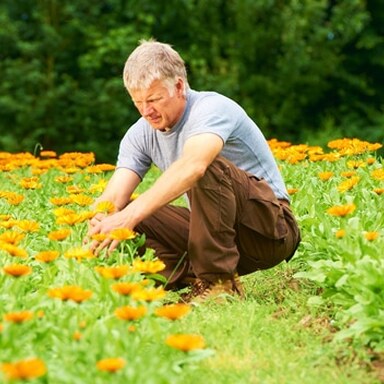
<point x="151" y="61"/>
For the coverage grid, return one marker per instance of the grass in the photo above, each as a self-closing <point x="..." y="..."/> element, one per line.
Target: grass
<point x="286" y="331"/>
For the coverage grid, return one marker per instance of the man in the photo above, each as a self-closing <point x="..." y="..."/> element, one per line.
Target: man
<point x="238" y="220"/>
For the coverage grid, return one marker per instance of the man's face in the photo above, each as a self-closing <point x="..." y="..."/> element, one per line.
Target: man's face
<point x="160" y="108"/>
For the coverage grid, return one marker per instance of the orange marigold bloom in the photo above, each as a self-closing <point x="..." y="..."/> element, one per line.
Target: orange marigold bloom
<point x="28" y="225"/>
<point x="348" y="174"/>
<point x="15" y="199"/>
<point x="356" y="164"/>
<point x="73" y="189"/>
<point x="105" y="207"/>
<point x="76" y="336"/>
<point x="292" y="191"/>
<point x="378" y="174"/>
<point x="79" y="253"/>
<point x="379" y="191"/>
<point x="371" y="160"/>
<point x="130" y="313"/>
<point x="5" y="217"/>
<point x="340" y="233"/>
<point x="63" y="179"/>
<point x="111" y="364"/>
<point x="12" y="237"/>
<point x="173" y="311"/>
<point x="325" y="175"/>
<point x="60" y="200"/>
<point x="122" y="234"/>
<point x="148" y="266"/>
<point x="115" y="272"/>
<point x="59" y="235"/>
<point x="82" y="200"/>
<point x="70" y="292"/>
<point x="62" y="211"/>
<point x="13" y="250"/>
<point x="47" y="256"/>
<point x="185" y="342"/>
<point x="49" y="154"/>
<point x="24" y="369"/>
<point x="69" y="219"/>
<point x="341" y="210"/>
<point x="348" y="184"/>
<point x="18" y="317"/>
<point x="17" y="270"/>
<point x="127" y="288"/>
<point x="99" y="237"/>
<point x="149" y="294"/>
<point x="370" y="236"/>
<point x="30" y="183"/>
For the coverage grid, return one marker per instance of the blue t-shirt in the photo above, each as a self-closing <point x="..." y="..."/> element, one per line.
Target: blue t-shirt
<point x="205" y="112"/>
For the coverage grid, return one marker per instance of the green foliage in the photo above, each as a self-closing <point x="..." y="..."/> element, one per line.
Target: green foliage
<point x="299" y="68"/>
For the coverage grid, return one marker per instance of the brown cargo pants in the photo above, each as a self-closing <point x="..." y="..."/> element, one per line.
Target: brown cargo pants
<point x="235" y="224"/>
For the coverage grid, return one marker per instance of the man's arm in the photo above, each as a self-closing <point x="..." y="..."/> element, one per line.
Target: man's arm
<point x="198" y="153"/>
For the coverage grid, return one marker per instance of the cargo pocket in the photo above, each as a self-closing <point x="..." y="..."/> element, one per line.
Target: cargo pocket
<point x="262" y="211"/>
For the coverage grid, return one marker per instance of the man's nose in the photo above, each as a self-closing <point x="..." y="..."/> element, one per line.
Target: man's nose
<point x="147" y="109"/>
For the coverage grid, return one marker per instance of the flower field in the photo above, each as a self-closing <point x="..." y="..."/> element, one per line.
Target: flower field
<point x="67" y="316"/>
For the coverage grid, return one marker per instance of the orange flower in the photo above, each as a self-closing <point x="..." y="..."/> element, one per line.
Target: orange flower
<point x="77" y="336"/>
<point x="111" y="364"/>
<point x="379" y="191"/>
<point x="292" y="191"/>
<point x="59" y="235"/>
<point x="173" y="311"/>
<point x="113" y="272"/>
<point x="82" y="200"/>
<point x="148" y="266"/>
<point x="122" y="234"/>
<point x="70" y="219"/>
<point x="127" y="288"/>
<point x="130" y="313"/>
<point x="62" y="211"/>
<point x="15" y="199"/>
<point x="73" y="189"/>
<point x="356" y="164"/>
<point x="28" y="225"/>
<point x="378" y="174"/>
<point x="370" y="236"/>
<point x="79" y="253"/>
<point x="47" y="256"/>
<point x="70" y="292"/>
<point x="12" y="237"/>
<point x="60" y="200"/>
<point x="17" y="270"/>
<point x="185" y="342"/>
<point x="13" y="250"/>
<point x="341" y="210"/>
<point x="105" y="207"/>
<point x="340" y="233"/>
<point x="30" y="183"/>
<point x="348" y="174"/>
<point x="99" y="237"/>
<point x="18" y="317"/>
<point x="63" y="179"/>
<point x="348" y="184"/>
<point x="49" y="154"/>
<point x="149" y="294"/>
<point x="24" y="369"/>
<point x="325" y="175"/>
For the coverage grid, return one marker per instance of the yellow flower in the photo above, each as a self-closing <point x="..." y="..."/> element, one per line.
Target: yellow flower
<point x="370" y="236"/>
<point x="378" y="174"/>
<point x="341" y="210"/>
<point x="292" y="191"/>
<point x="47" y="256"/>
<point x="111" y="364"/>
<point x="340" y="233"/>
<point x="59" y="235"/>
<point x="17" y="270"/>
<point x="63" y="179"/>
<point x="49" y="154"/>
<point x="105" y="207"/>
<point x="127" y="288"/>
<point x="15" y="199"/>
<point x="122" y="234"/>
<point x="348" y="174"/>
<point x="12" y="237"/>
<point x="69" y="219"/>
<point x="13" y="250"/>
<point x="356" y="164"/>
<point x="148" y="266"/>
<point x="325" y="175"/>
<point x="28" y="225"/>
<point x="73" y="189"/>
<point x="82" y="200"/>
<point x="379" y="191"/>
<point x="24" y="369"/>
<point x="99" y="237"/>
<point x="30" y="183"/>
<point x="348" y="184"/>
<point x="149" y="294"/>
<point x="60" y="200"/>
<point x="130" y="313"/>
<point x="79" y="253"/>
<point x="18" y="317"/>
<point x="76" y="336"/>
<point x="113" y="272"/>
<point x="185" y="342"/>
<point x="173" y="311"/>
<point x="62" y="211"/>
<point x="70" y="292"/>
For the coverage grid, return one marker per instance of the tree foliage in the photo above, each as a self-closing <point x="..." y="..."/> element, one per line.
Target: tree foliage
<point x="299" y="68"/>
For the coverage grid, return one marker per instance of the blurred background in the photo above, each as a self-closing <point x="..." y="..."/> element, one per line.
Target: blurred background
<point x="305" y="71"/>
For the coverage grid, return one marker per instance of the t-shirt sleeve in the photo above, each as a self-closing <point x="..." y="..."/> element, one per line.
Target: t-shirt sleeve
<point x="132" y="154"/>
<point x="215" y="114"/>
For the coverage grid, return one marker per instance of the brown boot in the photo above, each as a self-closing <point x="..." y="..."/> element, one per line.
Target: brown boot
<point x="218" y="291"/>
